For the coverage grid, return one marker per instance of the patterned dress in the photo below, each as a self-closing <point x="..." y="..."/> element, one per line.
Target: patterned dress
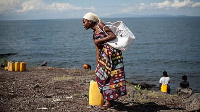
<point x="110" y="74"/>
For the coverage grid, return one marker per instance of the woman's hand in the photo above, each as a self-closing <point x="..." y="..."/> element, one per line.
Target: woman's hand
<point x="97" y="41"/>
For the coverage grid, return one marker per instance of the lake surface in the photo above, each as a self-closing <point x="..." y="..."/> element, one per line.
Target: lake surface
<point x="162" y="44"/>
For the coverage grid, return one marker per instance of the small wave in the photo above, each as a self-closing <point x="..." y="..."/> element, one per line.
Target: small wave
<point x="7" y="54"/>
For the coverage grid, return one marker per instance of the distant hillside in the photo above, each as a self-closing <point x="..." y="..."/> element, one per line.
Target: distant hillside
<point x="154" y="15"/>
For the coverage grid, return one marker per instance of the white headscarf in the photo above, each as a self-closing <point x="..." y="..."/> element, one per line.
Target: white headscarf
<point x="92" y="17"/>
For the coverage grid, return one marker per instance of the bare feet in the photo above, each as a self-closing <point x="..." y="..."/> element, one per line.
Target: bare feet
<point x="106" y="105"/>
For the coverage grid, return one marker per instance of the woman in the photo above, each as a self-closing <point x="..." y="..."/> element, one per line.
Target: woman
<point x="110" y="74"/>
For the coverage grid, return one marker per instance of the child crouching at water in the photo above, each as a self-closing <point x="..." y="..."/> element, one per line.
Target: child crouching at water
<point x="184" y="84"/>
<point x="164" y="83"/>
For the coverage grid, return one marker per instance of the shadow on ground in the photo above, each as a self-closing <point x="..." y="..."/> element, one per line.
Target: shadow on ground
<point x="137" y="107"/>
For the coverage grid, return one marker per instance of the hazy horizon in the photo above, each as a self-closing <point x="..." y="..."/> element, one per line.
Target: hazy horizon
<point x="115" y="17"/>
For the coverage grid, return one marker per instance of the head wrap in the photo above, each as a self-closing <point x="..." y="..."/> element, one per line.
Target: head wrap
<point x="92" y="17"/>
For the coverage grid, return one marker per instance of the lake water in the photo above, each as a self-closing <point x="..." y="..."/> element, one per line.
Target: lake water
<point x="161" y="44"/>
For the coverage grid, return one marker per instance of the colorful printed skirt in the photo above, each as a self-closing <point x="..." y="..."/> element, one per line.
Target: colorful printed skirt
<point x="110" y="74"/>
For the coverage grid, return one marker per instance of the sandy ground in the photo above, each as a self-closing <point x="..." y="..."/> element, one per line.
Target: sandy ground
<point x="49" y="89"/>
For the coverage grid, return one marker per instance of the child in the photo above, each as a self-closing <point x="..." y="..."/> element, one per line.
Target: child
<point x="164" y="83"/>
<point x="184" y="84"/>
<point x="184" y="89"/>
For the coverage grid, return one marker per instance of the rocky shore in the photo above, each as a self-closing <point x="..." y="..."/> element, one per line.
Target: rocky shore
<point x="61" y="90"/>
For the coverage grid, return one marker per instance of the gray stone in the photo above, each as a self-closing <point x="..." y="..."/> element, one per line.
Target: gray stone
<point x="184" y="92"/>
<point x="193" y="102"/>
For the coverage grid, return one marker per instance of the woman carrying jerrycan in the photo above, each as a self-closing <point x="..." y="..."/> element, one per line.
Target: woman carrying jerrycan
<point x="110" y="76"/>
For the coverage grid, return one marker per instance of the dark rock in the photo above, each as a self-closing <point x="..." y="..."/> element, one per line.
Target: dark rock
<point x="7" y="54"/>
<point x="48" y="96"/>
<point x="2" y="65"/>
<point x="44" y="63"/>
<point x="144" y="85"/>
<point x="36" y="86"/>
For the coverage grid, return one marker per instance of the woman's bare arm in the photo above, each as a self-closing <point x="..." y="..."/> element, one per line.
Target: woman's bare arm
<point x="110" y="34"/>
<point x="97" y="52"/>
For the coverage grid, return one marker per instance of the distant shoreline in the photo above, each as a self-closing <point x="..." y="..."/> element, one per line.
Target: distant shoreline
<point x="111" y="17"/>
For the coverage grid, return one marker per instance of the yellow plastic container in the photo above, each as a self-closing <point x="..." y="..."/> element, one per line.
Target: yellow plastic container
<point x="22" y="66"/>
<point x="17" y="66"/>
<point x="164" y="88"/>
<point x="8" y="65"/>
<point x="6" y="68"/>
<point x="95" y="97"/>
<point x="11" y="66"/>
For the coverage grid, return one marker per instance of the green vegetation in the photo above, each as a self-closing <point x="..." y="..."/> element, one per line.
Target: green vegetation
<point x="138" y="87"/>
<point x="4" y="62"/>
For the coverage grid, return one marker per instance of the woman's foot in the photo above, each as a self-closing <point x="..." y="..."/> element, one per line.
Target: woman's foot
<point x="106" y="105"/>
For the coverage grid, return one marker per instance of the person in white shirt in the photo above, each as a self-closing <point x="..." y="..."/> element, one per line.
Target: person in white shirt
<point x="165" y="80"/>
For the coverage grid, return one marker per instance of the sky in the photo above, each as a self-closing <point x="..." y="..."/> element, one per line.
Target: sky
<point x="67" y="9"/>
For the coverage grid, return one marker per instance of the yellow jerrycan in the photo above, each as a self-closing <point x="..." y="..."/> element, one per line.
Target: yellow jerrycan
<point x="17" y="66"/>
<point x="8" y="66"/>
<point x="22" y="66"/>
<point x="11" y="66"/>
<point x="95" y="97"/>
<point x="164" y="88"/>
